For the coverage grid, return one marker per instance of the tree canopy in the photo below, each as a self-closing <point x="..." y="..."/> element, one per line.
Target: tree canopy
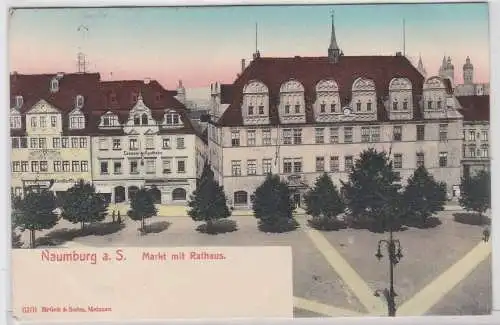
<point x="475" y="192"/>
<point x="81" y="204"/>
<point x="142" y="207"/>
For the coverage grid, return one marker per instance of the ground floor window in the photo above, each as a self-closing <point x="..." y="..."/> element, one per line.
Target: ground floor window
<point x="240" y="197"/>
<point x="119" y="194"/>
<point x="179" y="194"/>
<point x="132" y="191"/>
<point x="156" y="193"/>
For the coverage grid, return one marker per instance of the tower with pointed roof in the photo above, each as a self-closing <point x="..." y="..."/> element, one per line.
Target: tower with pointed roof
<point x="181" y="92"/>
<point x="468" y="72"/>
<point x="334" y="52"/>
<point x="420" y="67"/>
<point x="447" y="70"/>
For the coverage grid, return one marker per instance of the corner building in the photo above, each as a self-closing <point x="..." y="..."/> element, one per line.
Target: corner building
<point x="301" y="116"/>
<point x="49" y="136"/>
<point x="142" y="137"/>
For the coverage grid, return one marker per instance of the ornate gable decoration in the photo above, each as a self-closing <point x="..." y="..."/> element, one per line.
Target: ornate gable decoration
<point x="291" y="86"/>
<point x="255" y="87"/>
<point x="43" y="107"/>
<point x="363" y="84"/>
<point x="140" y="106"/>
<point x="327" y="86"/>
<point x="400" y="84"/>
<point x="434" y="83"/>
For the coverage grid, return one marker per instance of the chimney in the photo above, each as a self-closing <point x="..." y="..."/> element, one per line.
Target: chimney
<point x="242" y="65"/>
<point x="147" y="81"/>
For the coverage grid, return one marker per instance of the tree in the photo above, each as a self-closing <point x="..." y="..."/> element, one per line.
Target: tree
<point x="208" y="201"/>
<point x="15" y="215"/>
<point x="372" y="191"/>
<point x="36" y="212"/>
<point x="82" y="204"/>
<point x="423" y="196"/>
<point x="272" y="205"/>
<point x="323" y="201"/>
<point x="475" y="192"/>
<point x="142" y="207"/>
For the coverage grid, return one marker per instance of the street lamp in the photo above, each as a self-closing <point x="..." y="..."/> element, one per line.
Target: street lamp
<point x="394" y="253"/>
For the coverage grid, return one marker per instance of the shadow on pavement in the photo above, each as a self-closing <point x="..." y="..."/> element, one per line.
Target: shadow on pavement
<point x="474" y="219"/>
<point x="60" y="236"/>
<point x="218" y="227"/>
<point x="156" y="227"/>
<point x="431" y="222"/>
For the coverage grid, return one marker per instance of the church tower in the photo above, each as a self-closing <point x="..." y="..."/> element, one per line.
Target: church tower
<point x="334" y="52"/>
<point x="447" y="70"/>
<point x="420" y="67"/>
<point x="468" y="72"/>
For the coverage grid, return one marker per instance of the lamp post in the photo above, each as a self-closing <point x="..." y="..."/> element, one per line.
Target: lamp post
<point x="394" y="253"/>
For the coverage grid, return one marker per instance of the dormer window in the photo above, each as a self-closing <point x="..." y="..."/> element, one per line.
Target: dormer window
<point x="110" y="120"/>
<point x="369" y="106"/>
<point x="287" y="109"/>
<point x="54" y="85"/>
<point x="77" y="122"/>
<point x="112" y="97"/>
<point x="395" y="105"/>
<point x="172" y="118"/>
<point x="158" y="97"/>
<point x="405" y="105"/>
<point x="333" y="108"/>
<point x="322" y="107"/>
<point x="79" y="101"/>
<point x="297" y="109"/>
<point x="250" y="110"/>
<point x="19" y="101"/>
<point x="15" y="122"/>
<point x="261" y="110"/>
<point x="255" y="102"/>
<point x="439" y="104"/>
<point x="137" y="120"/>
<point x="144" y="119"/>
<point x="358" y="106"/>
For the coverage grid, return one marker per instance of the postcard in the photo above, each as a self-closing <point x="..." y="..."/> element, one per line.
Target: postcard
<point x="250" y="161"/>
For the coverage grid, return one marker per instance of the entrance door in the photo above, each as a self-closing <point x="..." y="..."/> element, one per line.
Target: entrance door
<point x="296" y="200"/>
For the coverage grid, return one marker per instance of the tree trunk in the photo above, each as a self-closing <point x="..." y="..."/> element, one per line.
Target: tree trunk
<point x="32" y="238"/>
<point x="209" y="226"/>
<point x="142" y="225"/>
<point x="82" y="223"/>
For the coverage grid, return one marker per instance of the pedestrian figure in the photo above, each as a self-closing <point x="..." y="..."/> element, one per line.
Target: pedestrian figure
<point x="486" y="234"/>
<point x="113" y="216"/>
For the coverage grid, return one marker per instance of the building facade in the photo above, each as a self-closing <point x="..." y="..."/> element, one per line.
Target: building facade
<point x="143" y="138"/>
<point x="49" y="136"/>
<point x="476" y="147"/>
<point x="299" y="117"/>
<point x="119" y="135"/>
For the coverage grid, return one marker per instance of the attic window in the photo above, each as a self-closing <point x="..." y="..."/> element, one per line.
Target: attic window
<point x="250" y="110"/>
<point x="172" y="118"/>
<point x="287" y="109"/>
<point x="54" y="85"/>
<point x="110" y="120"/>
<point x="112" y="97"/>
<point x="79" y="101"/>
<point x="77" y="122"/>
<point x="261" y="109"/>
<point x="158" y="96"/>
<point x="323" y="107"/>
<point x="19" y="101"/>
<point x="405" y="104"/>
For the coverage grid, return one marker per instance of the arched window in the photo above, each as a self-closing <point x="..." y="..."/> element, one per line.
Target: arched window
<point x="119" y="194"/>
<point x="54" y="85"/>
<point x="132" y="191"/>
<point x="179" y="194"/>
<point x="137" y="120"/>
<point x="240" y="198"/>
<point x="156" y="194"/>
<point x="144" y="119"/>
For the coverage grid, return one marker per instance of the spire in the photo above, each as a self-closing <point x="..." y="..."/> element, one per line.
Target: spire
<point x="333" y="39"/>
<point x="334" y="52"/>
<point x="420" y="66"/>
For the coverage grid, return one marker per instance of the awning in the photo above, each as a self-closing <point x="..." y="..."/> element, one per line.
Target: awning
<point x="103" y="189"/>
<point x="61" y="187"/>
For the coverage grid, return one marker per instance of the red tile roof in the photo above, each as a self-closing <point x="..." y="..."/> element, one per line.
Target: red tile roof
<point x="34" y="87"/>
<point x="309" y="71"/>
<point x="475" y="108"/>
<point x="97" y="99"/>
